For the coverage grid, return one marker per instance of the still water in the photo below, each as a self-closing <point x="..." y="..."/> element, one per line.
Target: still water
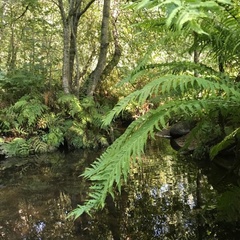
<point x="167" y="197"/>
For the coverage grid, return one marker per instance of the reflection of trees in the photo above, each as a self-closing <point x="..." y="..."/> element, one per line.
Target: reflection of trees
<point x="163" y="199"/>
<point x="37" y="206"/>
<point x="36" y="215"/>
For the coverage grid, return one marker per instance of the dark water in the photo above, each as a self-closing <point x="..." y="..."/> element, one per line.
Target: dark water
<point x="167" y="197"/>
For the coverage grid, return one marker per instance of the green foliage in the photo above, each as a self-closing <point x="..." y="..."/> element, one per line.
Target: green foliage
<point x="228" y="141"/>
<point x="83" y="128"/>
<point x="76" y="123"/>
<point x="17" y="147"/>
<point x="37" y="145"/>
<point x="177" y="91"/>
<point x="229" y="205"/>
<point x="182" y="14"/>
<point x="22" y="117"/>
<point x="184" y="97"/>
<point x="22" y="82"/>
<point x="54" y="138"/>
<point x="28" y="110"/>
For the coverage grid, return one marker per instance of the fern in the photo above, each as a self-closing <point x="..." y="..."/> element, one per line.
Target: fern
<point x="28" y="110"/>
<point x="228" y="205"/>
<point x="55" y="137"/>
<point x="185" y="13"/>
<point x="171" y="67"/>
<point x="37" y="145"/>
<point x="71" y="104"/>
<point x="112" y="168"/>
<point x="180" y="96"/>
<point x="167" y="85"/>
<point x="229" y="140"/>
<point x="18" y="147"/>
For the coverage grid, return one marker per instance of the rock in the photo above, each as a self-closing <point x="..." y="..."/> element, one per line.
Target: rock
<point x="181" y="128"/>
<point x="179" y="143"/>
<point x="165" y="133"/>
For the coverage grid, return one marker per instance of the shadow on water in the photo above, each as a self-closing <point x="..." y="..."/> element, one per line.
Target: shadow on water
<point x="167" y="197"/>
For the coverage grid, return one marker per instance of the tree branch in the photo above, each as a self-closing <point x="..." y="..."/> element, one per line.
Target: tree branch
<point x="86" y="8"/>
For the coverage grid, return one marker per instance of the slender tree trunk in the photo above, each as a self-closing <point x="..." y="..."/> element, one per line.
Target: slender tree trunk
<point x="195" y="53"/>
<point x="117" y="53"/>
<point x="66" y="59"/>
<point x="95" y="76"/>
<point x="66" y="48"/>
<point x="70" y="19"/>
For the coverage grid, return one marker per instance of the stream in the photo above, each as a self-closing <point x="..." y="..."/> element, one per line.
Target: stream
<point x="167" y="197"/>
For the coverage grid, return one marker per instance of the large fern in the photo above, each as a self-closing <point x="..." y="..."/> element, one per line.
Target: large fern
<point x="180" y="14"/>
<point x="181" y="96"/>
<point x="112" y="168"/>
<point x="28" y="110"/>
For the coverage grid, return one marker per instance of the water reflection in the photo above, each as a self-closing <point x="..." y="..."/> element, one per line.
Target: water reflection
<point x="166" y="198"/>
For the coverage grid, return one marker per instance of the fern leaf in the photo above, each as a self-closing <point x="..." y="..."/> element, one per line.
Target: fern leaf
<point x="226" y="142"/>
<point x="115" y="163"/>
<point x="164" y="85"/>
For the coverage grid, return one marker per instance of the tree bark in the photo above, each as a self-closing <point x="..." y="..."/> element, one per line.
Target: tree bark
<point x="70" y="19"/>
<point x="66" y="45"/>
<point x="95" y="76"/>
<point x="66" y="59"/>
<point x="117" y="52"/>
<point x="195" y="53"/>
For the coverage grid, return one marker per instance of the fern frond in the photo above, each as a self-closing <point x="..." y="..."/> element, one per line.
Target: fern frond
<point x="182" y="13"/>
<point x="169" y="84"/>
<point x="18" y="147"/>
<point x="29" y="110"/>
<point x="113" y="167"/>
<point x="168" y="68"/>
<point x="71" y="104"/>
<point x="229" y="140"/>
<point x="37" y="145"/>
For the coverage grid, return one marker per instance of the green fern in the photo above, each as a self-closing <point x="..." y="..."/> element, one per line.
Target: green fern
<point x="172" y="84"/>
<point x="29" y="110"/>
<point x="112" y="168"/>
<point x="37" y="145"/>
<point x="71" y="105"/>
<point x="185" y="13"/>
<point x="18" y="147"/>
<point x="182" y="96"/>
<point x="55" y="137"/>
<point x="229" y="140"/>
<point x="228" y="205"/>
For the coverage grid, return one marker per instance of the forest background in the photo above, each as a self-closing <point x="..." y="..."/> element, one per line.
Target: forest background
<point x="72" y="73"/>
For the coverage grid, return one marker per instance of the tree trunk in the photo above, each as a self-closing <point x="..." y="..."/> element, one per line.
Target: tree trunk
<point x="195" y="53"/>
<point x="70" y="19"/>
<point x="95" y="76"/>
<point x="117" y="53"/>
<point x="66" y="59"/>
